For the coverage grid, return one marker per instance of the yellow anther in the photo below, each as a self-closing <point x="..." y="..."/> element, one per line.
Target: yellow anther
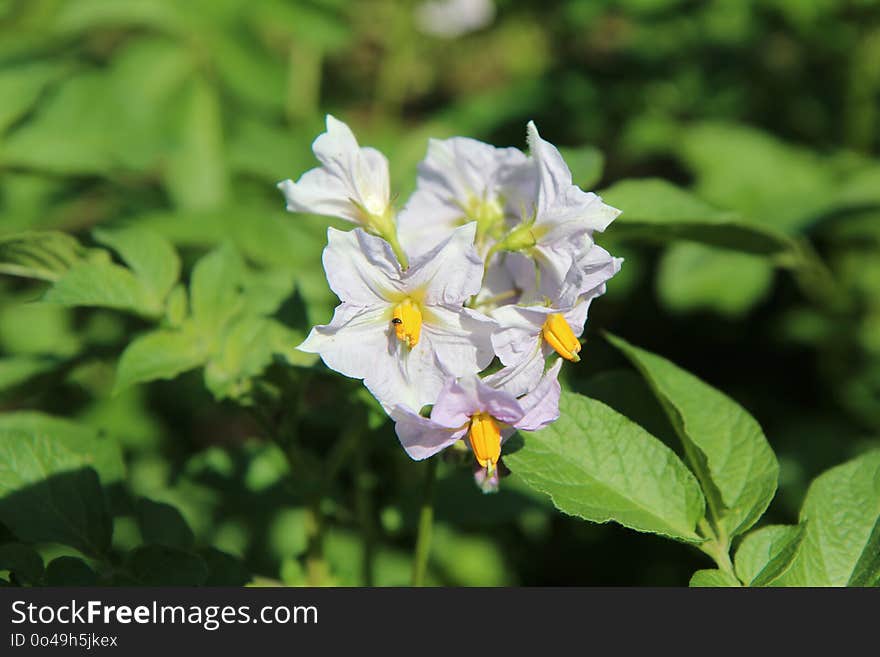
<point x="407" y="321"/>
<point x="485" y="437"/>
<point x="559" y="335"/>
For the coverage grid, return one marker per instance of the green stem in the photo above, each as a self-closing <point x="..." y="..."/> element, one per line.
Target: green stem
<point x="717" y="547"/>
<point x="815" y="279"/>
<point x="364" y="507"/>
<point x="316" y="567"/>
<point x="426" y="523"/>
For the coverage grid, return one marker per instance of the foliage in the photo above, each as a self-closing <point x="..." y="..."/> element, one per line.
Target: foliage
<point x="159" y="427"/>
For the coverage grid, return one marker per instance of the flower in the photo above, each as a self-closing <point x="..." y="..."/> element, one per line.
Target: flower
<point x="460" y="180"/>
<point x="536" y="326"/>
<point x="562" y="216"/>
<point x="352" y="183"/>
<point x="453" y="18"/>
<point x="469" y="407"/>
<point x="403" y="331"/>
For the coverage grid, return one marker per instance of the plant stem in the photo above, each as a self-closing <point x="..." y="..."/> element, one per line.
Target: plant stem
<point x="426" y="523"/>
<point x="316" y="567"/>
<point x="717" y="547"/>
<point x="364" y="507"/>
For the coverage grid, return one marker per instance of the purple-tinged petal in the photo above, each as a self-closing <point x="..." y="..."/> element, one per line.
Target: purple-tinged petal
<point x="420" y="436"/>
<point x="455" y="404"/>
<point x="541" y="406"/>
<point x="462" y="398"/>
<point x="520" y="378"/>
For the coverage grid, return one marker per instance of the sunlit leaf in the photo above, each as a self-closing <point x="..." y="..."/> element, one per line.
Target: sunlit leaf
<point x="697" y="277"/>
<point x="598" y="465"/>
<point x="725" y="446"/>
<point x="43" y="255"/>
<point x="50" y="488"/>
<point x="713" y="579"/>
<point x="161" y="354"/>
<point x="842" y="538"/>
<point x="656" y="210"/>
<point x="765" y="554"/>
<point x="152" y="258"/>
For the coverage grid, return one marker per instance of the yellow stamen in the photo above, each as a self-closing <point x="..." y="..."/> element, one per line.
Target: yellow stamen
<point x="407" y="321"/>
<point x="485" y="437"/>
<point x="559" y="335"/>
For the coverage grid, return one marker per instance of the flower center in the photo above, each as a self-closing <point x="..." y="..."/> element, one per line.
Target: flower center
<point x="407" y="321"/>
<point x="559" y="335"/>
<point x="488" y="214"/>
<point x="485" y="439"/>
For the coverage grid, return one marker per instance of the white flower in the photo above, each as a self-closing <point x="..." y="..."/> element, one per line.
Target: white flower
<point x="460" y="180"/>
<point x="564" y="217"/>
<point x="351" y="184"/>
<point x="453" y="18"/>
<point x="528" y="334"/>
<point x="403" y="331"/>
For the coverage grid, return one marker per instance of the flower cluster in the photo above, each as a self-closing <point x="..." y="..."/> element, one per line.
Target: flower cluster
<point x="492" y="257"/>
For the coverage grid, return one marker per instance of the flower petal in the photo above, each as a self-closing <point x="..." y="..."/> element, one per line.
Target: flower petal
<point x="420" y="436"/>
<point x="564" y="210"/>
<point x="361" y="268"/>
<point x="426" y="221"/>
<point x="319" y="192"/>
<point x="353" y="340"/>
<point x="595" y="268"/>
<point x="541" y="406"/>
<point x="522" y="377"/>
<point x="351" y="176"/>
<point x="450" y="273"/>
<point x="519" y="328"/>
<point x="461" y="398"/>
<point x="461" y="338"/>
<point x="410" y="376"/>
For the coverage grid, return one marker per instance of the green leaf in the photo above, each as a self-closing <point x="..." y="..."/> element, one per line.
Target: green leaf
<point x="245" y="352"/>
<point x="196" y="176"/>
<point x="70" y="571"/>
<point x="162" y="524"/>
<point x="772" y="183"/>
<point x="598" y="465"/>
<point x="104" y="285"/>
<point x="215" y="288"/>
<point x="696" y="277"/>
<point x="21" y="86"/>
<point x="765" y="554"/>
<point x="49" y="481"/>
<point x="248" y="347"/>
<point x="724" y="444"/>
<point x="657" y="210"/>
<point x="22" y="561"/>
<point x="842" y="538"/>
<point x="19" y="369"/>
<point x="586" y="164"/>
<point x="150" y="256"/>
<point x="161" y="354"/>
<point x="712" y="579"/>
<point x="45" y="255"/>
<point x="71" y="134"/>
<point x="159" y="565"/>
<point x="83" y="444"/>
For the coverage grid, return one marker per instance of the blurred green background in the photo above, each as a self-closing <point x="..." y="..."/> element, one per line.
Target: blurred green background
<point x="180" y="117"/>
